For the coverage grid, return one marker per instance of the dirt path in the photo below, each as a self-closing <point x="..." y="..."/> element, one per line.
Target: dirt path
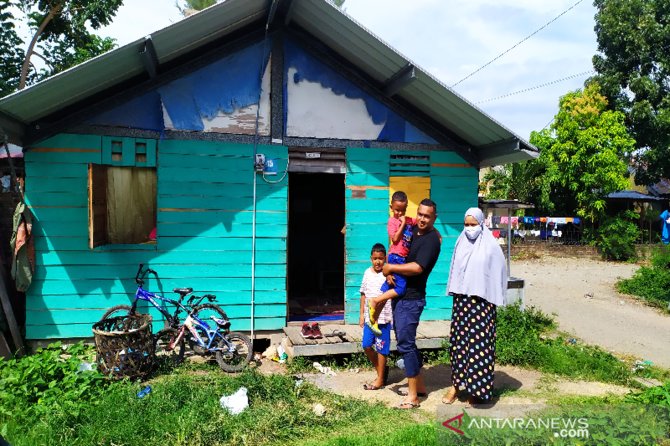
<point x="613" y="321"/>
<point x="530" y="388"/>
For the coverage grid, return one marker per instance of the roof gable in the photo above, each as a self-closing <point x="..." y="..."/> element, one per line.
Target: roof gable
<point x="403" y="81"/>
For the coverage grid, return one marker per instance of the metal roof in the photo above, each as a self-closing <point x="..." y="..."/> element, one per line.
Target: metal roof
<point x="493" y="142"/>
<point x="633" y="195"/>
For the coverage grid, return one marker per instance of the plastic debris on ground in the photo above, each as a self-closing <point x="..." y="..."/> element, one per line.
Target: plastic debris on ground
<point x="235" y="403"/>
<point x="144" y="392"/>
<point x="641" y="365"/>
<point x="325" y="370"/>
<point x="86" y="367"/>
<point x="319" y="410"/>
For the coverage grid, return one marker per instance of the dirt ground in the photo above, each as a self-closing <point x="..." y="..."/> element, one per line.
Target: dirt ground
<point x="581" y="294"/>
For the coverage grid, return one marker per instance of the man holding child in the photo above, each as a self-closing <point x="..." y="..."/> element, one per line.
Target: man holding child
<point x="407" y="308"/>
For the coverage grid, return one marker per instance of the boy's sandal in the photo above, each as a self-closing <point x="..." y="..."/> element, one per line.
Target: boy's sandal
<point x="402" y="391"/>
<point x="367" y="386"/>
<point x="405" y="405"/>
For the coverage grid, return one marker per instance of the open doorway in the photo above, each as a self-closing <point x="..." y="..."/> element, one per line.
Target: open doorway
<point x="316" y="247"/>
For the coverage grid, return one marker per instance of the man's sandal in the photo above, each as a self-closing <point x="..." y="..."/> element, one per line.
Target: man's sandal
<point x="403" y="391"/>
<point x="406" y="405"/>
<point x="367" y="386"/>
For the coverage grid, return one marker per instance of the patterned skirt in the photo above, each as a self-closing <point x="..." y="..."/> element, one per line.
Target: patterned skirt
<point x="473" y="345"/>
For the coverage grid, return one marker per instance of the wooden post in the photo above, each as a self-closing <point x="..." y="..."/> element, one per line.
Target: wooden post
<point x="9" y="315"/>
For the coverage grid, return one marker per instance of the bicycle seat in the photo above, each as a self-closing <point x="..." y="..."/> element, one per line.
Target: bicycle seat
<point x="183" y="291"/>
<point x="223" y="323"/>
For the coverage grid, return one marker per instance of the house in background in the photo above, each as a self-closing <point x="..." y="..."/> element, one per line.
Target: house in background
<point x="166" y="132"/>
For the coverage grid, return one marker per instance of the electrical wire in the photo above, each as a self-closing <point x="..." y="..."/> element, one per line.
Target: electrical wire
<point x="546" y="84"/>
<point x="516" y="45"/>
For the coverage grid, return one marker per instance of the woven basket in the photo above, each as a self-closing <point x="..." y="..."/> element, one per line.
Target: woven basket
<point x="124" y="345"/>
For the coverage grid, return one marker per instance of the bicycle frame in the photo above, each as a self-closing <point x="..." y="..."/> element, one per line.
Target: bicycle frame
<point x="152" y="298"/>
<point x="190" y="323"/>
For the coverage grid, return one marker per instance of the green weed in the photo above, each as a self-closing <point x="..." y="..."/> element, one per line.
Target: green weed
<point x="520" y="342"/>
<point x="651" y="283"/>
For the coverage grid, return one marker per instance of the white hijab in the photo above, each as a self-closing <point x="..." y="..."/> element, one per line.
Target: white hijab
<point x="478" y="266"/>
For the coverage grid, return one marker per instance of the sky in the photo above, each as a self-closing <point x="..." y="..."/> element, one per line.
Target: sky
<point x="452" y="38"/>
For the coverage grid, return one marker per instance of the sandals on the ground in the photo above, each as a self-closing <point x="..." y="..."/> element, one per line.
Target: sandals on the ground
<point x="405" y="405"/>
<point x="402" y="391"/>
<point x="450" y="399"/>
<point x="367" y="386"/>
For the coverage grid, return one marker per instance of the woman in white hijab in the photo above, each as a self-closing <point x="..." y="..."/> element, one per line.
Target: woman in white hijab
<point x="477" y="282"/>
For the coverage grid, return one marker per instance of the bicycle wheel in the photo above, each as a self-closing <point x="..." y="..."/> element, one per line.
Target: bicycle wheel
<point x="234" y="358"/>
<point x="119" y="310"/>
<point x="168" y="353"/>
<point x="205" y="312"/>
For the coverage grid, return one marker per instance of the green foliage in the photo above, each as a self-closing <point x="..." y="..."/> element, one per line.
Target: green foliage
<point x="658" y="395"/>
<point x="11" y="54"/>
<point x="521" y="340"/>
<point x="651" y="283"/>
<point x="518" y="181"/>
<point x="48" y="382"/>
<point x="583" y="154"/>
<point x="617" y="236"/>
<point x="633" y="65"/>
<point x="518" y="334"/>
<point x="186" y="6"/>
<point x="64" y="41"/>
<point x="184" y="408"/>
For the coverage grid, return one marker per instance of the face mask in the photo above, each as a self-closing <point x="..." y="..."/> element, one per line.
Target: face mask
<point x="472" y="232"/>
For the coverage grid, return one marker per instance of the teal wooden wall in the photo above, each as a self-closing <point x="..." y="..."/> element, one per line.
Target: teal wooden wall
<point x="204" y="235"/>
<point x="454" y="190"/>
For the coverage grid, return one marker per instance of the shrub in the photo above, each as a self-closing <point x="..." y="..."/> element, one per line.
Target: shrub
<point x="520" y="341"/>
<point x="659" y="395"/>
<point x="48" y="381"/>
<point x="616" y="237"/>
<point x="651" y="283"/>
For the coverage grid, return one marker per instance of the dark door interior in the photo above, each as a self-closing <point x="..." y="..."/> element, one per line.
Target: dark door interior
<point x="316" y="246"/>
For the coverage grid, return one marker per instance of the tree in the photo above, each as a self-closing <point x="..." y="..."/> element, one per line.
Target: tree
<point x="188" y="7"/>
<point x="633" y="67"/>
<point x="583" y="153"/>
<point x="60" y="37"/>
<point x="11" y="54"/>
<point x="518" y="181"/>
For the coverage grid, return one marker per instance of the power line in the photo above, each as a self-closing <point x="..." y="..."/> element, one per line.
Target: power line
<point x="546" y="84"/>
<point x="515" y="45"/>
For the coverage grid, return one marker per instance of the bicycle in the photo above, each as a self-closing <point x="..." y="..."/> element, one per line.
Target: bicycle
<point x="233" y="350"/>
<point x="172" y="320"/>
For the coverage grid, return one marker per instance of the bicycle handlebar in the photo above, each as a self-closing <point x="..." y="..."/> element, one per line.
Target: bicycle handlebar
<point x="139" y="277"/>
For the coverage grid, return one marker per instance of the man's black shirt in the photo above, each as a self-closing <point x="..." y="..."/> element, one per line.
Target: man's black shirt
<point x="424" y="250"/>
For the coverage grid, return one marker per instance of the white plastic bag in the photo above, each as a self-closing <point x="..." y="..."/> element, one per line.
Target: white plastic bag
<point x="325" y="370"/>
<point x="235" y="403"/>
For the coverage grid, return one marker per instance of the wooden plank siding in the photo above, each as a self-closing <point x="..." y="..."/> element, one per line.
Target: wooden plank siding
<point x="454" y="190"/>
<point x="204" y="226"/>
<point x="366" y="204"/>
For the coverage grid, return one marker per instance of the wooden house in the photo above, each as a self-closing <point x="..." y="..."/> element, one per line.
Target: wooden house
<point x="165" y="133"/>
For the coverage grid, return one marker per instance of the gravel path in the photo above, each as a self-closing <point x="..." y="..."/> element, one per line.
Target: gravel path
<point x="564" y="286"/>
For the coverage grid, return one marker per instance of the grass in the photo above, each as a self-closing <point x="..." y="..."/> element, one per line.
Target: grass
<point x="183" y="408"/>
<point x="651" y="283"/>
<point x="522" y="341"/>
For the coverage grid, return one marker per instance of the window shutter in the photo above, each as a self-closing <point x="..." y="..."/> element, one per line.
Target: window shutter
<point x="97" y="205"/>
